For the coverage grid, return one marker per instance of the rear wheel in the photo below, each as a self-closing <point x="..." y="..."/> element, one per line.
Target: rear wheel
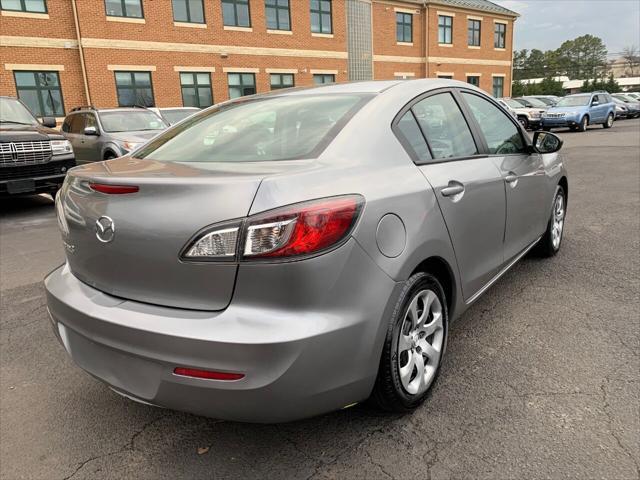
<point x="584" y="123"/>
<point x="550" y="242"/>
<point x="609" y="121"/>
<point x="414" y="345"/>
<point x="109" y="156"/>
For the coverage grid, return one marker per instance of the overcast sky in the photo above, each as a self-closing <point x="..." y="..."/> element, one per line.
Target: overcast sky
<point x="545" y="24"/>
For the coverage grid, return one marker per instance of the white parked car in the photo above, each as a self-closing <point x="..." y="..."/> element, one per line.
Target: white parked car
<point x="529" y="117"/>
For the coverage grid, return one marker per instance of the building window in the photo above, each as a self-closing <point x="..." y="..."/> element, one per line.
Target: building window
<point x="323" y="78"/>
<point x="241" y="84"/>
<point x="235" y="13"/>
<point x="134" y="88"/>
<point x="188" y="11"/>
<point x="281" y="80"/>
<point x="40" y="91"/>
<point x="446" y="77"/>
<point x="31" y="6"/>
<point x="404" y="27"/>
<point x="500" y="35"/>
<point x="498" y="87"/>
<point x="278" y="14"/>
<point x="124" y="8"/>
<point x="473" y="38"/>
<point x="196" y="89"/>
<point x="445" y="28"/>
<point x="321" y="16"/>
<point x="473" y="80"/>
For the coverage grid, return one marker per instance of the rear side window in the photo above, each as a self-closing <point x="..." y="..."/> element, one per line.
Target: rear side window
<point x="410" y="130"/>
<point x="256" y="130"/>
<point x="501" y="134"/>
<point x="445" y="128"/>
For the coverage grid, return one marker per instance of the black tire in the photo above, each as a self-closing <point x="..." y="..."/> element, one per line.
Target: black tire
<point x="388" y="392"/>
<point x="584" y="123"/>
<point x="546" y="247"/>
<point x="608" y="122"/>
<point x="524" y="122"/>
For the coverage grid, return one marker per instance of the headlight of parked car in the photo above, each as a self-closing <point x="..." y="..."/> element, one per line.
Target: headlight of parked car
<point x="535" y="115"/>
<point x="61" y="147"/>
<point x="130" y="146"/>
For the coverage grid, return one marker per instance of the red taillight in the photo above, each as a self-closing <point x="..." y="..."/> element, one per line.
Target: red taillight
<point x="301" y="229"/>
<point x="113" y="189"/>
<point x="207" y="374"/>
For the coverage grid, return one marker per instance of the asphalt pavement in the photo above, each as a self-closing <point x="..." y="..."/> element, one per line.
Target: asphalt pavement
<point x="541" y="378"/>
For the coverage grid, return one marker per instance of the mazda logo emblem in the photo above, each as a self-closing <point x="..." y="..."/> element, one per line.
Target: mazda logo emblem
<point x="105" y="229"/>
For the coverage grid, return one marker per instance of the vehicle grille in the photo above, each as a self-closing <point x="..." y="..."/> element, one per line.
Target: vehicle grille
<point x="34" y="171"/>
<point x="24" y="153"/>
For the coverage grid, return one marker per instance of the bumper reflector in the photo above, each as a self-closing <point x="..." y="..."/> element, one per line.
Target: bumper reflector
<point x="207" y="374"/>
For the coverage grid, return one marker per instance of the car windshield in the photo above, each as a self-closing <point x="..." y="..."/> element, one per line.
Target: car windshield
<point x="547" y="101"/>
<point x="624" y="98"/>
<point x="13" y="111"/>
<point x="257" y="129"/>
<point x="574" y="101"/>
<point x="512" y="103"/>
<point x="175" y="115"/>
<point x="535" y="102"/>
<point x="130" y="121"/>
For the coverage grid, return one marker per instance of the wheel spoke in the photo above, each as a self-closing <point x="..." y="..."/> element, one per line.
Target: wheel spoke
<point x="434" y="325"/>
<point x="419" y="380"/>
<point x="404" y="344"/>
<point x="407" y="370"/>
<point x="413" y="312"/>
<point x="429" y="350"/>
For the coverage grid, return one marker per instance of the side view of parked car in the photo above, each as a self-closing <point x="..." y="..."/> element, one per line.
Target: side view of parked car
<point x="630" y="104"/>
<point x="103" y="134"/>
<point x="33" y="156"/>
<point x="173" y="115"/>
<point x="581" y="110"/>
<point x="548" y="100"/>
<point x="529" y="117"/>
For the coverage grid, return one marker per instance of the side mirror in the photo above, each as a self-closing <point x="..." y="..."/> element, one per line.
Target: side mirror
<point x="91" y="131"/>
<point x="546" y="142"/>
<point x="49" y="122"/>
<point x="595" y="103"/>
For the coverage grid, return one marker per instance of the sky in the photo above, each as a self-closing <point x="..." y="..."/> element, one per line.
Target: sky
<point x="545" y="24"/>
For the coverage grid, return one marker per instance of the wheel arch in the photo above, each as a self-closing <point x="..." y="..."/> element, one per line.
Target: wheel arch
<point x="564" y="183"/>
<point x="440" y="268"/>
<point x="109" y="149"/>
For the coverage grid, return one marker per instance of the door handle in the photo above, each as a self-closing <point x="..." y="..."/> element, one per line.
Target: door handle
<point x="452" y="190"/>
<point x="512" y="179"/>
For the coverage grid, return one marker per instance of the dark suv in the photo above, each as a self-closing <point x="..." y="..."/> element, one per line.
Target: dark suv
<point x="33" y="157"/>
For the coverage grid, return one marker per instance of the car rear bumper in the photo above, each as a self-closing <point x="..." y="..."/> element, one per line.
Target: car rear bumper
<point x="300" y="358"/>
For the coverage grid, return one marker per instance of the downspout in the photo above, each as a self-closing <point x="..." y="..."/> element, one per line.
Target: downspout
<point x="513" y="28"/>
<point x="83" y="67"/>
<point x="426" y="38"/>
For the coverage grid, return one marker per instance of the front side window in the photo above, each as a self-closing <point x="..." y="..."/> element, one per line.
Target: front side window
<point x="498" y="87"/>
<point x="124" y="8"/>
<point x="445" y="29"/>
<point x="473" y="35"/>
<point x="235" y="13"/>
<point x="321" y="16"/>
<point x="500" y="35"/>
<point x="323" y="78"/>
<point x="444" y="127"/>
<point x="281" y="80"/>
<point x="473" y="80"/>
<point x="404" y="27"/>
<point x="278" y="14"/>
<point x="501" y="134"/>
<point x="188" y="11"/>
<point x="31" y="6"/>
<point x="41" y="92"/>
<point x="409" y="129"/>
<point x="196" y="89"/>
<point x="134" y="88"/>
<point x="258" y="129"/>
<point x="241" y="84"/>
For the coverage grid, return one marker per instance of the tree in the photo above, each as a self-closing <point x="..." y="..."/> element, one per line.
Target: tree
<point x="518" y="89"/>
<point x="520" y="63"/>
<point x="550" y="86"/>
<point x="611" y="85"/>
<point x="583" y="57"/>
<point x="631" y="57"/>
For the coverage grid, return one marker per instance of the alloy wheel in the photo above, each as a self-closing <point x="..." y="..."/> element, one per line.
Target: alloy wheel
<point x="610" y="121"/>
<point x="420" y="342"/>
<point x="558" y="221"/>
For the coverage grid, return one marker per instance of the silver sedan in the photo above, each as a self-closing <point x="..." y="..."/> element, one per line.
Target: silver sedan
<point x="284" y="255"/>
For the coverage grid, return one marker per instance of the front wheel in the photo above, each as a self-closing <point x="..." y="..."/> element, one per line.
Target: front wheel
<point x="524" y="122"/>
<point x="609" y="122"/>
<point x="414" y="345"/>
<point x="582" y="127"/>
<point x="550" y="242"/>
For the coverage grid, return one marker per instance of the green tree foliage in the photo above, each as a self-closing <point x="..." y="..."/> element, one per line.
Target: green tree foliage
<point x="609" y="84"/>
<point x="548" y="86"/>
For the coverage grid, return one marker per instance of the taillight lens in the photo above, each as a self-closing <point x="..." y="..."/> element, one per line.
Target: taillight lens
<point x="301" y="229"/>
<point x="293" y="231"/>
<point x="113" y="189"/>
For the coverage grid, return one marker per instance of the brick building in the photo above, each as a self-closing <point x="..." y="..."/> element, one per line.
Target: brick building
<point x="58" y="54"/>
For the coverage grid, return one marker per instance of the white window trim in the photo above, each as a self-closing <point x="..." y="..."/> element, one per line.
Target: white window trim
<point x="410" y="11"/>
<point x="404" y="74"/>
<point x="504" y="22"/>
<point x="280" y="32"/>
<point x="474" y="47"/>
<point x="445" y="74"/>
<point x="281" y="70"/>
<point x="473" y="17"/>
<point x="503" y="75"/>
<point x="194" y="69"/>
<point x="238" y="29"/>
<point x="323" y="72"/>
<point x="405" y="44"/>
<point x="39" y="16"/>
<point x="445" y="14"/>
<point x="447" y="45"/>
<point x="33" y="66"/>
<point x="473" y="74"/>
<point x="189" y="24"/>
<point x="322" y="35"/>
<point x="125" y="19"/>
<point x="240" y="70"/>
<point x="132" y="68"/>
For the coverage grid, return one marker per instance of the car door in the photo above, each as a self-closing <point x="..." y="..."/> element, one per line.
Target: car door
<point x="91" y="145"/>
<point x="467" y="184"/>
<point x="72" y="127"/>
<point x="521" y="168"/>
<point x="598" y="109"/>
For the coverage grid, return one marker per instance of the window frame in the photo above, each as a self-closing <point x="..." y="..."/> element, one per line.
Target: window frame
<point x="277" y="8"/>
<point x="401" y="21"/>
<point x="123" y="5"/>
<point x="188" y="8"/>
<point x="320" y="12"/>
<point x="38" y="89"/>
<point x="473" y="76"/>
<point x="241" y="85"/>
<point x="133" y="87"/>
<point x="235" y="4"/>
<point x="445" y="28"/>
<point x="493" y="86"/>
<point x="472" y="23"/>
<point x="23" y="8"/>
<point x="197" y="87"/>
<point x="499" y="33"/>
<point x="293" y="78"/>
<point x="323" y="75"/>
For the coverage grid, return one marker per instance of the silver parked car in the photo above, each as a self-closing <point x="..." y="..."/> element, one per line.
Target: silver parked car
<point x="288" y="254"/>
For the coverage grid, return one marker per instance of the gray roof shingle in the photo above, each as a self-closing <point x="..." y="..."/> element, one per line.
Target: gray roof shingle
<point x="482" y="5"/>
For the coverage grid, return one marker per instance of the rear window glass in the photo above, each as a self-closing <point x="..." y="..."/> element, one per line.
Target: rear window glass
<point x="258" y="129"/>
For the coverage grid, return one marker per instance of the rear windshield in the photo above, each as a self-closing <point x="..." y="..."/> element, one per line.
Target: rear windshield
<point x="257" y="129"/>
<point x="130" y="121"/>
